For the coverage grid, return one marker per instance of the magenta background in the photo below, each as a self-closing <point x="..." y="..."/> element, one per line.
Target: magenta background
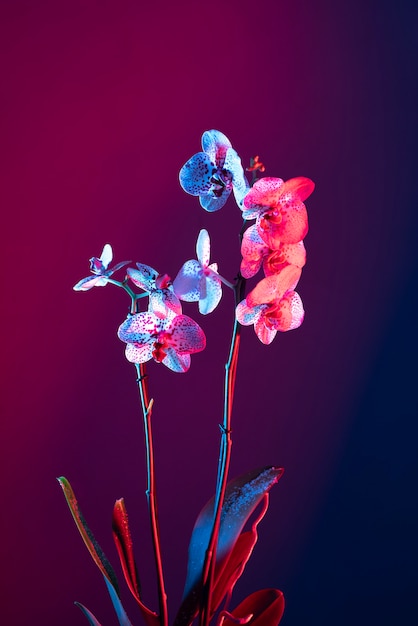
<point x="101" y="104"/>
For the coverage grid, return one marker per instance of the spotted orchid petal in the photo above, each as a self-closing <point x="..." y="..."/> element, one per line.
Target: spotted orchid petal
<point x="138" y="353"/>
<point x="264" y="194"/>
<point x="291" y="312"/>
<point x="216" y="145"/>
<point x="263" y="332"/>
<point x="286" y="254"/>
<point x="272" y="288"/>
<point x="144" y="277"/>
<point x="186" y="335"/>
<point x="139" y="328"/>
<point x="210" y="292"/>
<point x="240" y="185"/>
<point x="186" y="284"/>
<point x="247" y="315"/>
<point x="195" y="175"/>
<point x="253" y="249"/>
<point x="176" y="362"/>
<point x="164" y="303"/>
<point x="211" y="203"/>
<point x="287" y="224"/>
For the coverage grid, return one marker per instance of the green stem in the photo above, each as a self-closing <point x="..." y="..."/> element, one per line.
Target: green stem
<point x="224" y="461"/>
<point x="146" y="405"/>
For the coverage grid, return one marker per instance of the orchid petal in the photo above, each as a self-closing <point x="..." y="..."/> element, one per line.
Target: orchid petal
<point x="292" y="227"/>
<point x="203" y="248"/>
<point x="164" y="303"/>
<point x="144" y="277"/>
<point x="253" y="249"/>
<point x="176" y="362"/>
<point x="138" y="353"/>
<point x="140" y="327"/>
<point x="239" y="182"/>
<point x="215" y="144"/>
<point x="299" y="187"/>
<point x="292" y="313"/>
<point x="265" y="334"/>
<point x="87" y="283"/>
<point x="195" y="175"/>
<point x="186" y="335"/>
<point x="272" y="288"/>
<point x="263" y="195"/>
<point x="106" y="255"/>
<point x="212" y="294"/>
<point x="266" y="608"/>
<point x="287" y="254"/>
<point x="211" y="203"/>
<point x="186" y="283"/>
<point x="247" y="315"/>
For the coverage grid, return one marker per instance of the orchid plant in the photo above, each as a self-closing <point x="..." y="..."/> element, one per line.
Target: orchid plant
<point x="156" y="329"/>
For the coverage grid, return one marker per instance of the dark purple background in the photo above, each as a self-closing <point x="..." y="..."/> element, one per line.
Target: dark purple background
<point x="101" y="104"/>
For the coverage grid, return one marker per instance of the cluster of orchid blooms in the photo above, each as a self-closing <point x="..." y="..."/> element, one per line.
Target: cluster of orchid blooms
<point x="220" y="546"/>
<point x="274" y="243"/>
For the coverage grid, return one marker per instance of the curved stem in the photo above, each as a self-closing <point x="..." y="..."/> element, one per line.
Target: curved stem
<point x="224" y="461"/>
<point x="146" y="405"/>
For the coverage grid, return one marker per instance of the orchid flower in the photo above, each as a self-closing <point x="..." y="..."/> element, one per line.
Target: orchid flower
<point x="214" y="173"/>
<point x="197" y="280"/>
<point x="162" y="299"/>
<point x="99" y="267"/>
<point x="170" y="341"/>
<point x="255" y="252"/>
<point x="273" y="305"/>
<point x="279" y="209"/>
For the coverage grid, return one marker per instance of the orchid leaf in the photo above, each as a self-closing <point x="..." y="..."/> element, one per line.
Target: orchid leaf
<point x="226" y="578"/>
<point x="261" y="608"/>
<point x="117" y="605"/>
<point x="124" y="545"/>
<point x="93" y="547"/>
<point x="242" y="496"/>
<point x="90" y="617"/>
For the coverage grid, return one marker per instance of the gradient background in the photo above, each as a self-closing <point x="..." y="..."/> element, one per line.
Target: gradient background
<point x="101" y="104"/>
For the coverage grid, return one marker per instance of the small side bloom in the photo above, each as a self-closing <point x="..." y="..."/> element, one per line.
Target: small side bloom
<point x="279" y="209"/>
<point x="273" y="305"/>
<point x="255" y="252"/>
<point x="162" y="299"/>
<point x="167" y="341"/>
<point x="214" y="173"/>
<point x="199" y="281"/>
<point x="99" y="267"/>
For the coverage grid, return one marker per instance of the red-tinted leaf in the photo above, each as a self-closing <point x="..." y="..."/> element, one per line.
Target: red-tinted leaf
<point x="266" y="607"/>
<point x="241" y="498"/>
<point x="93" y="547"/>
<point x="226" y="578"/>
<point x="124" y="545"/>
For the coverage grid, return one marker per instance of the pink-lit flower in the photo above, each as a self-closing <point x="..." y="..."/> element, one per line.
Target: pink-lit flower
<point x="214" y="173"/>
<point x="197" y="280"/>
<point x="99" y="267"/>
<point x="255" y="252"/>
<point x="162" y="299"/>
<point x="279" y="209"/>
<point x="273" y="305"/>
<point x="167" y="341"/>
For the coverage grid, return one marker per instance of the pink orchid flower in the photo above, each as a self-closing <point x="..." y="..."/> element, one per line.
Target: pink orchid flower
<point x="99" y="267"/>
<point x="255" y="252"/>
<point x="167" y="341"/>
<point x="199" y="281"/>
<point x="214" y="173"/>
<point x="162" y="299"/>
<point x="273" y="305"/>
<point x="279" y="209"/>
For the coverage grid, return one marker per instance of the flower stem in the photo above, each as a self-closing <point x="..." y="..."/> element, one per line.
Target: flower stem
<point x="224" y="461"/>
<point x="146" y="405"/>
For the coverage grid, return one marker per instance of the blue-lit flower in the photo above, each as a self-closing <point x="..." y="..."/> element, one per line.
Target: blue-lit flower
<point x="162" y="299"/>
<point x="167" y="341"/>
<point x="199" y="281"/>
<point x="99" y="267"/>
<point x="214" y="173"/>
